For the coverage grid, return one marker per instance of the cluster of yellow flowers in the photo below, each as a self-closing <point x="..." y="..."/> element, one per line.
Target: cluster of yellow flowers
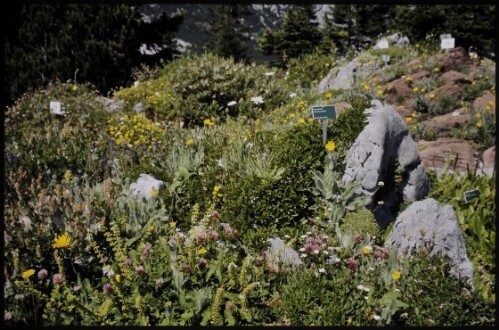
<point x="209" y="122"/>
<point x="216" y="191"/>
<point x="330" y="145"/>
<point x="365" y="86"/>
<point x="133" y="130"/>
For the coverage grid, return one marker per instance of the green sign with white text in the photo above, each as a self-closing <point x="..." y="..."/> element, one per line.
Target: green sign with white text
<point x="324" y="112"/>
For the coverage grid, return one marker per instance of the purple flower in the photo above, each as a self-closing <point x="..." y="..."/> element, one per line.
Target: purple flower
<point x="186" y="268"/>
<point x="146" y="251"/>
<point x="128" y="261"/>
<point x="212" y="235"/>
<point x="42" y="273"/>
<point x="202" y="262"/>
<point x="57" y="278"/>
<point x="108" y="289"/>
<point x="201" y="238"/>
<point x="104" y="161"/>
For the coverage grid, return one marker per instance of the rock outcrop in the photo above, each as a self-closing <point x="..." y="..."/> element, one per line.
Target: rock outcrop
<point x="283" y="254"/>
<point x="343" y="78"/>
<point x="146" y="186"/>
<point x="383" y="148"/>
<point x="455" y="153"/>
<point x="111" y="105"/>
<point x="427" y="225"/>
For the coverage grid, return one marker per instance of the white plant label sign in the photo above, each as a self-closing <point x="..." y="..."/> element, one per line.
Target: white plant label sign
<point x="383" y="44"/>
<point x="447" y="43"/>
<point x="56" y="108"/>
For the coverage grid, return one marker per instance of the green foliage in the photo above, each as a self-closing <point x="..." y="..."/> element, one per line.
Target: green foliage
<point x="477" y="220"/>
<point x="298" y="35"/>
<point x="444" y="104"/>
<point x="309" y="69"/>
<point x="360" y="221"/>
<point x="85" y="42"/>
<point x="226" y="30"/>
<point x="195" y="88"/>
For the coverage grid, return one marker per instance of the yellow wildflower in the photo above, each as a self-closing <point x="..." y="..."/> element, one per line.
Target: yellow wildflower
<point x="477" y="115"/>
<point x="415" y="89"/>
<point x="366" y="87"/>
<point x="61" y="241"/>
<point x="153" y="192"/>
<point x="379" y="92"/>
<point x="189" y="142"/>
<point x="301" y="121"/>
<point x="432" y="95"/>
<point x="479" y="124"/>
<point x="216" y="190"/>
<point x="117" y="278"/>
<point x="408" y="119"/>
<point x="67" y="175"/>
<point x="486" y="108"/>
<point x="328" y="95"/>
<point x="74" y="88"/>
<point x="409" y="79"/>
<point x="436" y="69"/>
<point x="366" y="250"/>
<point x="310" y="120"/>
<point x="172" y="224"/>
<point x="330" y="145"/>
<point x="202" y="251"/>
<point x="28" y="273"/>
<point x="396" y="275"/>
<point x="291" y="115"/>
<point x="491" y="103"/>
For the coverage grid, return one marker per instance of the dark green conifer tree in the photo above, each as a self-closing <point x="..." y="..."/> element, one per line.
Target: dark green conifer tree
<point x="298" y="35"/>
<point x="228" y="35"/>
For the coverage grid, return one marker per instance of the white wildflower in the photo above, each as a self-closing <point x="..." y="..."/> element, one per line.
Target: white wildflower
<point x="107" y="271"/>
<point x="317" y="251"/>
<point x="322" y="270"/>
<point x="292" y="95"/>
<point x="381" y="184"/>
<point x="302" y="250"/>
<point x="231" y="103"/>
<point x="303" y="255"/>
<point x="257" y="99"/>
<point x="376" y="317"/>
<point x="269" y="74"/>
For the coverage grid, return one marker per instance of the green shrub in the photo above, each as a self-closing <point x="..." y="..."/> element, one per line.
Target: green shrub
<point x="360" y="222"/>
<point x="310" y="68"/>
<point x="444" y="104"/>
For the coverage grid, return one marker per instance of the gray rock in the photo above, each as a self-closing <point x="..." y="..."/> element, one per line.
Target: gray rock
<point x="138" y="108"/>
<point x="145" y="183"/>
<point x="283" y="254"/>
<point x="426" y="224"/>
<point x="384" y="142"/>
<point x="398" y="40"/>
<point x="342" y="78"/>
<point x="111" y="105"/>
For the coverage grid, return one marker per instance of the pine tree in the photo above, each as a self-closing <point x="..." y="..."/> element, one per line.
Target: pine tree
<point x="298" y="35"/>
<point x="227" y="33"/>
<point x="96" y="43"/>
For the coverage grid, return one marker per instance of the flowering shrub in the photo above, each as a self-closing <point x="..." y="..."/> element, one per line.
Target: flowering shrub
<point x="133" y="130"/>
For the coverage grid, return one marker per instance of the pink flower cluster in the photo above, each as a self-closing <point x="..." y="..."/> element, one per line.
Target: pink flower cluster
<point x="229" y="231"/>
<point x="313" y="245"/>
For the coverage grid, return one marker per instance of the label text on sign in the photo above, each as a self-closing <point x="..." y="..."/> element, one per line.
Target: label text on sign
<point x="324" y="112"/>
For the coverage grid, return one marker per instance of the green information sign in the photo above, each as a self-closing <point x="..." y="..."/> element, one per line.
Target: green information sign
<point x="324" y="112"/>
<point x="471" y="195"/>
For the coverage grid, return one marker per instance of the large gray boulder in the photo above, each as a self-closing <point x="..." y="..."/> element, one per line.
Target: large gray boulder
<point x="146" y="186"/>
<point x="427" y="225"/>
<point x="280" y="253"/>
<point x="342" y="78"/>
<point x="381" y="149"/>
<point x="398" y="40"/>
<point x="111" y="105"/>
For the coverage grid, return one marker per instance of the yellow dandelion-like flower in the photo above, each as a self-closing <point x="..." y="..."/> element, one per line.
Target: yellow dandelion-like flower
<point x="396" y="275"/>
<point x="117" y="278"/>
<point x="415" y="89"/>
<point x="473" y="83"/>
<point x="486" y="108"/>
<point x="202" y="251"/>
<point x="409" y="79"/>
<point x="366" y="87"/>
<point x="367" y="250"/>
<point x="172" y="224"/>
<point x="61" y="241"/>
<point x="436" y="69"/>
<point x="67" y="175"/>
<point x="328" y="95"/>
<point x="330" y="146"/>
<point x="413" y="115"/>
<point x="310" y="120"/>
<point x="28" y="273"/>
<point x="291" y="115"/>
<point x="216" y="190"/>
<point x="189" y="142"/>
<point x="74" y="88"/>
<point x="379" y="92"/>
<point x="327" y="64"/>
<point x="479" y="124"/>
<point x="408" y="119"/>
<point x="478" y="115"/>
<point x="301" y="121"/>
<point x="153" y="192"/>
<point x="491" y="103"/>
<point x="432" y="95"/>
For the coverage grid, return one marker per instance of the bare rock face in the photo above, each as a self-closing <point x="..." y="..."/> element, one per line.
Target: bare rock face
<point x="448" y="121"/>
<point x="489" y="161"/>
<point x="111" y="105"/>
<point x="381" y="149"/>
<point x="454" y="76"/>
<point x="483" y="101"/>
<point x="146" y="186"/>
<point x="427" y="225"/>
<point x="341" y="106"/>
<point x="341" y="79"/>
<point x="457" y="154"/>
<point x="455" y="59"/>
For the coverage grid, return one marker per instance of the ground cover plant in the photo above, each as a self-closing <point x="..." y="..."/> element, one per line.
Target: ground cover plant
<point x="242" y="162"/>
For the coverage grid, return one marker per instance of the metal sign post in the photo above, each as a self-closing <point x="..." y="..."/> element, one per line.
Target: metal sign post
<point x="323" y="113"/>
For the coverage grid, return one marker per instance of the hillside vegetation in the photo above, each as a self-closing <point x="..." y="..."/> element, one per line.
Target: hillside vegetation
<point x="242" y="161"/>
